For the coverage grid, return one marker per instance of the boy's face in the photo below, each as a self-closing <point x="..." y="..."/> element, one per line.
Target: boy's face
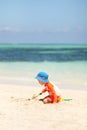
<point x="40" y="82"/>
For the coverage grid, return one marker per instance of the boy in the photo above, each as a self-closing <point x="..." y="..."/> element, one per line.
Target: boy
<point x="54" y="95"/>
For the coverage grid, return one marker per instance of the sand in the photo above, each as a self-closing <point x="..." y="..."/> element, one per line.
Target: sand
<point x="19" y="113"/>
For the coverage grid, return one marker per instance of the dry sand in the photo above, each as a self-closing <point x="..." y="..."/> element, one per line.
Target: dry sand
<point x="18" y="113"/>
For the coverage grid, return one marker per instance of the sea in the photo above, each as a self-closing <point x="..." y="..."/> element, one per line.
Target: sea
<point x="66" y="64"/>
<point x="43" y="52"/>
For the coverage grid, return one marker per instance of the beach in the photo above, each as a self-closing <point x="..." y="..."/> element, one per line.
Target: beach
<point x="18" y="84"/>
<point x="43" y="45"/>
<point x="19" y="113"/>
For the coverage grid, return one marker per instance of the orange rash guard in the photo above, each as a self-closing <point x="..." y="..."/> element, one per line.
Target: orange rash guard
<point x="54" y="92"/>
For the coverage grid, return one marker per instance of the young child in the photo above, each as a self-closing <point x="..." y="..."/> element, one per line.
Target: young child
<point x="54" y="94"/>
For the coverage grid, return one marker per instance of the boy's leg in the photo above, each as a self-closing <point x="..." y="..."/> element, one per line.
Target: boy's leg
<point x="50" y="99"/>
<point x="58" y="98"/>
<point x="47" y="99"/>
<point x="41" y="100"/>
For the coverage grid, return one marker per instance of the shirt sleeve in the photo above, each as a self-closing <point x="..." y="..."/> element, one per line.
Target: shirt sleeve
<point x="44" y="90"/>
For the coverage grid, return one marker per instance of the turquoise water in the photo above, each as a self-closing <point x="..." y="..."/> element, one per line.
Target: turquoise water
<point x="43" y="45"/>
<point x="71" y="75"/>
<point x="66" y="64"/>
<point x="43" y="52"/>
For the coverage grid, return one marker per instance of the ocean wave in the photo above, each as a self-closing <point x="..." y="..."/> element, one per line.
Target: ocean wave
<point x="43" y="54"/>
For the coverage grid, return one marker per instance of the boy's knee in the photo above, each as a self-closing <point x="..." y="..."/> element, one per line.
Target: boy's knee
<point x="47" y="100"/>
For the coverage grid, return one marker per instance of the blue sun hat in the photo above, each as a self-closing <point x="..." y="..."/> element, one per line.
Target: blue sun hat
<point x="42" y="76"/>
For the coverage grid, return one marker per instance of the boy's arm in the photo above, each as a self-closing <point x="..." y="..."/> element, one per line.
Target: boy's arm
<point x="44" y="90"/>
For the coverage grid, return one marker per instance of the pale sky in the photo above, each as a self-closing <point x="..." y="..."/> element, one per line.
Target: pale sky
<point x="43" y="21"/>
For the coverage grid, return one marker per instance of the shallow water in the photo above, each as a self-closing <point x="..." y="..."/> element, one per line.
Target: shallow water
<point x="71" y="75"/>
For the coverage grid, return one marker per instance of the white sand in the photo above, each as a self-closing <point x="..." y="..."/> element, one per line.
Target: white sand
<point x="18" y="113"/>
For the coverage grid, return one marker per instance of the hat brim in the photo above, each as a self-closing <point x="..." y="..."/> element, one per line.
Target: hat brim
<point x="43" y="80"/>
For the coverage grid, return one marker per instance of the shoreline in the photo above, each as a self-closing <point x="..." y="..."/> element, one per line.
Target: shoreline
<point x="68" y="75"/>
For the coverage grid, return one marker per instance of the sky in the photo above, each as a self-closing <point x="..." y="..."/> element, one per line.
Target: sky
<point x="43" y="21"/>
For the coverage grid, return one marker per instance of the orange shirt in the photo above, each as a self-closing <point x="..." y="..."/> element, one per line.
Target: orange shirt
<point x="53" y="91"/>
